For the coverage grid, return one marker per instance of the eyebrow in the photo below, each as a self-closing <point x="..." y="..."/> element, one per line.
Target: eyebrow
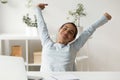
<point x="70" y="30"/>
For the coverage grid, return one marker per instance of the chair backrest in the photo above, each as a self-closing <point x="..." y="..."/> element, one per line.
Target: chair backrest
<point x="12" y="68"/>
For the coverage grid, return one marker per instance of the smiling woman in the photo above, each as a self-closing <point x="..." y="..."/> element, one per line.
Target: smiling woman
<point x="60" y="55"/>
<point x="103" y="47"/>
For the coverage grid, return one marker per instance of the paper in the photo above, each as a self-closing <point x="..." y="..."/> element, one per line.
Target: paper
<point x="64" y="77"/>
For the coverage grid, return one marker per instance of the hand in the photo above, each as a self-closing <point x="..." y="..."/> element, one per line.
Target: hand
<point x="42" y="5"/>
<point x="108" y="16"/>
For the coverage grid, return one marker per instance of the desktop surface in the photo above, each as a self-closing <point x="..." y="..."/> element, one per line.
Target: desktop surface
<point x="76" y="75"/>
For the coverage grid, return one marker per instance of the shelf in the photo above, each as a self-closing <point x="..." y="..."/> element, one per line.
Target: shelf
<point x="18" y="37"/>
<point x="5" y="40"/>
<point x="81" y="58"/>
<point x="34" y="64"/>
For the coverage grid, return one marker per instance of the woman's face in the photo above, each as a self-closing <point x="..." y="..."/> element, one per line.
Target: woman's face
<point x="66" y="34"/>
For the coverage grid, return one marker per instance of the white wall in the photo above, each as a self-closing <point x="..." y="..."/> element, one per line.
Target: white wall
<point x="104" y="52"/>
<point x="104" y="46"/>
<point x="11" y="17"/>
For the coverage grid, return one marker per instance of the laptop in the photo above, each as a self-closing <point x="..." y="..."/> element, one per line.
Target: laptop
<point x="12" y="68"/>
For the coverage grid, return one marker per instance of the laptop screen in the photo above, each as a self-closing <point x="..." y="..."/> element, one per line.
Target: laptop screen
<point x="12" y="68"/>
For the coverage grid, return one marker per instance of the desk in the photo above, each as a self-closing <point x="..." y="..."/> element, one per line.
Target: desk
<point x="80" y="75"/>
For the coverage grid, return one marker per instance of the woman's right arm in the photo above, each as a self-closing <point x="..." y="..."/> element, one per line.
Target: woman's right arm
<point x="42" y="28"/>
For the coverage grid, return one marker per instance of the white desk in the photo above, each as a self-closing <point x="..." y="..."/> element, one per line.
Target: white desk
<point x="80" y="75"/>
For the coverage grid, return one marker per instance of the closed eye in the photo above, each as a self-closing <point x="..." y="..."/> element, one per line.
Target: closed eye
<point x="71" y="32"/>
<point x="64" y="28"/>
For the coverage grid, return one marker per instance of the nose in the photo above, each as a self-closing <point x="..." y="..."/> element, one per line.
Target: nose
<point x="66" y="32"/>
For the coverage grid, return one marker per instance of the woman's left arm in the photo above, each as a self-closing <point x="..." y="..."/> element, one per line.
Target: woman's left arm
<point x="80" y="41"/>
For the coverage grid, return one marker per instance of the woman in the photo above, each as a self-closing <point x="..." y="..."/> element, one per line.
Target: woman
<point x="60" y="55"/>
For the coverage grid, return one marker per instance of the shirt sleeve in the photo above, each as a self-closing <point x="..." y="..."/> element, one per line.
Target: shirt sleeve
<point x="42" y="28"/>
<point x="80" y="41"/>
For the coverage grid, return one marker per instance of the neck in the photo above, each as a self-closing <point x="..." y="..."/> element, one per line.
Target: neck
<point x="61" y="42"/>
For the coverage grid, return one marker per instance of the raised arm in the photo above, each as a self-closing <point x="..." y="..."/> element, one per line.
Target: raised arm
<point x="90" y="30"/>
<point x="42" y="28"/>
